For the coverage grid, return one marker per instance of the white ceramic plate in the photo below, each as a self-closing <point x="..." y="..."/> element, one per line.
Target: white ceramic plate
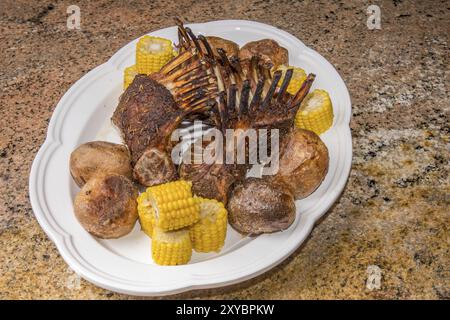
<point x="125" y="264"/>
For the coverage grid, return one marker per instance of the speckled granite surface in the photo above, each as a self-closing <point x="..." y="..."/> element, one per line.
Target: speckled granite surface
<point x="394" y="212"/>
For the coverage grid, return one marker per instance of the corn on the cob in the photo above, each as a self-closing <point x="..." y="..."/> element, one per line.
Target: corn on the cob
<point x="152" y="53"/>
<point x="171" y="248"/>
<point x="209" y="233"/>
<point x="315" y="112"/>
<point x="298" y="77"/>
<point x="146" y="214"/>
<point x="173" y="204"/>
<point x="128" y="75"/>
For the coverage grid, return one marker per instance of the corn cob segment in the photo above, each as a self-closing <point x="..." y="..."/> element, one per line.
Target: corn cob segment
<point x="128" y="76"/>
<point x="298" y="77"/>
<point x="152" y="53"/>
<point x="173" y="204"/>
<point x="208" y="234"/>
<point x="146" y="214"/>
<point x="315" y="112"/>
<point x="171" y="248"/>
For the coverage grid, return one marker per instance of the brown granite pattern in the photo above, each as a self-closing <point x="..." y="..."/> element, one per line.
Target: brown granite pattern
<point x="394" y="212"/>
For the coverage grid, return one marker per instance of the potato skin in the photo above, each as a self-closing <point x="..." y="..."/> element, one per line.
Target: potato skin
<point x="303" y="162"/>
<point x="99" y="157"/>
<point x="260" y="206"/>
<point x="268" y="50"/>
<point x="231" y="48"/>
<point x="106" y="206"/>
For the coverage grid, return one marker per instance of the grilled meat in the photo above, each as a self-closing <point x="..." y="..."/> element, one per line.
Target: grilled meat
<point x="247" y="101"/>
<point x="153" y="106"/>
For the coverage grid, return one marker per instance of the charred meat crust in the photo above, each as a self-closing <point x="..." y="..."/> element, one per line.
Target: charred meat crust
<point x="209" y="181"/>
<point x="154" y="167"/>
<point x="144" y="109"/>
<point x="212" y="181"/>
<point x="277" y="116"/>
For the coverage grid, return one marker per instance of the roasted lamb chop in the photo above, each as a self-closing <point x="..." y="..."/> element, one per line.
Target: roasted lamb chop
<point x="215" y="43"/>
<point x="153" y="106"/>
<point x="252" y="102"/>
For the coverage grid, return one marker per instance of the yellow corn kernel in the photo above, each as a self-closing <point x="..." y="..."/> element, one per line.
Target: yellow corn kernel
<point x="173" y="204"/>
<point x="298" y="77"/>
<point x="152" y="53"/>
<point x="128" y="76"/>
<point x="171" y="248"/>
<point x="146" y="214"/>
<point x="208" y="234"/>
<point x="315" y="112"/>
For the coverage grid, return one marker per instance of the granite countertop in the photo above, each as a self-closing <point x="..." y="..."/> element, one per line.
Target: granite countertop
<point x="393" y="216"/>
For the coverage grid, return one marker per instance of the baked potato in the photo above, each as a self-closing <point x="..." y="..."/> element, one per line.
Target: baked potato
<point x="99" y="157"/>
<point x="270" y="53"/>
<point x="231" y="48"/>
<point x="260" y="206"/>
<point x="303" y="162"/>
<point x="106" y="206"/>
